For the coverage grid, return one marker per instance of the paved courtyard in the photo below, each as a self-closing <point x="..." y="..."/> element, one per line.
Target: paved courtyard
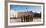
<point x="19" y="20"/>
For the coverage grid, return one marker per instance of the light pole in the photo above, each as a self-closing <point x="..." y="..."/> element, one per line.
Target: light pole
<point x="27" y="10"/>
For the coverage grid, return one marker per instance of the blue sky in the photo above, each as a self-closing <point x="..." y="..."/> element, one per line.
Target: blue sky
<point x="24" y="7"/>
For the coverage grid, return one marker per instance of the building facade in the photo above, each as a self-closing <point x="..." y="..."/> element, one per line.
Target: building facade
<point x="24" y="16"/>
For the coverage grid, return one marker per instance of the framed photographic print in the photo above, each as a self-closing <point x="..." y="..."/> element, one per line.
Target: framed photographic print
<point x="25" y="13"/>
